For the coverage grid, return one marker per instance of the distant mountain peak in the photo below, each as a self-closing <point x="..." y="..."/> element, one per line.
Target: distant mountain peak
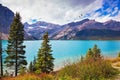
<point x="77" y="22"/>
<point x="86" y="19"/>
<point x="26" y="23"/>
<point x="112" y="23"/>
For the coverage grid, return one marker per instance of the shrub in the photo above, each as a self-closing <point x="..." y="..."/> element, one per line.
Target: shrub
<point x="38" y="71"/>
<point x="88" y="70"/>
<point x="119" y="54"/>
<point x="22" y="70"/>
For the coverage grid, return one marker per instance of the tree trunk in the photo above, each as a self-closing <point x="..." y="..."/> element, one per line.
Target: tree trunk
<point x="1" y="64"/>
<point x="16" y="67"/>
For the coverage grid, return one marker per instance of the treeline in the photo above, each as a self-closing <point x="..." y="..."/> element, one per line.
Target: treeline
<point x="16" y="59"/>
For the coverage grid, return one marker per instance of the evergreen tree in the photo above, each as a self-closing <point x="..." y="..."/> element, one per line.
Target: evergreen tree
<point x="31" y="67"/>
<point x="1" y="58"/>
<point x="34" y="62"/>
<point x="89" y="54"/>
<point x="96" y="51"/>
<point x="15" y="49"/>
<point x="45" y="59"/>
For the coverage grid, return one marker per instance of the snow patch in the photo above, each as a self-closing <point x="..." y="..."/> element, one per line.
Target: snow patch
<point x="30" y="27"/>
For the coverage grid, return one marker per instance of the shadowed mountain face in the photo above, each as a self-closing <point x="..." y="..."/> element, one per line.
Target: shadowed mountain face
<point x="85" y="29"/>
<point x="6" y="17"/>
<point x="89" y="29"/>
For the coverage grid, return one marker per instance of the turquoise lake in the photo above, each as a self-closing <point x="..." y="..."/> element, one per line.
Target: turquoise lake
<point x="65" y="50"/>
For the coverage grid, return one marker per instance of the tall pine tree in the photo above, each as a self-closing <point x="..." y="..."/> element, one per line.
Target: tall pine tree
<point x="1" y="58"/>
<point x="31" y="67"/>
<point x="45" y="59"/>
<point x="34" y="62"/>
<point x="15" y="48"/>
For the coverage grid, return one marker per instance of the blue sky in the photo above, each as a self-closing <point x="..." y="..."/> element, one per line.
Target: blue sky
<point x="65" y="11"/>
<point x="110" y="9"/>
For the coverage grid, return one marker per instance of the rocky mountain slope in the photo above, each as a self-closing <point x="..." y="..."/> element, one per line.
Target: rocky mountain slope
<point x="85" y="29"/>
<point x="90" y="29"/>
<point x="39" y="28"/>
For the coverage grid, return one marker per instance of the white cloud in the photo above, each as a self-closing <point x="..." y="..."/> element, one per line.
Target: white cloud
<point x="78" y="13"/>
<point x="106" y="18"/>
<point x="60" y="11"/>
<point x="115" y="10"/>
<point x="37" y="9"/>
<point x="117" y="18"/>
<point x="109" y="10"/>
<point x="106" y="13"/>
<point x="55" y="11"/>
<point x="103" y="18"/>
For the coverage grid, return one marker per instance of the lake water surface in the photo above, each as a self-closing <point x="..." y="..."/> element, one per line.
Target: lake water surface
<point x="64" y="50"/>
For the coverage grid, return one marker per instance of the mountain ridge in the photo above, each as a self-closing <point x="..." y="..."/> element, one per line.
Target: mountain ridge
<point x="70" y="30"/>
<point x="84" y="29"/>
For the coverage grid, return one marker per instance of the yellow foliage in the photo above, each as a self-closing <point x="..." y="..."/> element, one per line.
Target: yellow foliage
<point x="31" y="77"/>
